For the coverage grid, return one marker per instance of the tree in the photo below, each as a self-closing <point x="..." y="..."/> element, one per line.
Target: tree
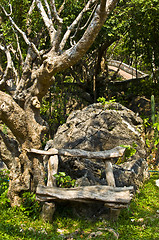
<point x="27" y="71"/>
<point x="139" y="45"/>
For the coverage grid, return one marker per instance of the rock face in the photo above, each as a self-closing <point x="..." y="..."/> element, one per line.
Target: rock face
<point x="87" y="172"/>
<point x="132" y="173"/>
<point x="97" y="128"/>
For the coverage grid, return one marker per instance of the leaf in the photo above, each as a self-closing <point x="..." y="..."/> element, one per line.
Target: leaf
<point x="62" y="174"/>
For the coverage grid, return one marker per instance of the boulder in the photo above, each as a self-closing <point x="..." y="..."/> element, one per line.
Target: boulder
<point x="101" y="127"/>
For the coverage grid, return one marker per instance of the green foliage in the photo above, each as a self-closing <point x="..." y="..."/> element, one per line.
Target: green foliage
<point x="154" y="124"/>
<point x="141" y="219"/>
<point x="4" y="184"/>
<point x="130" y="151"/>
<point x="137" y="25"/>
<point x="5" y="202"/>
<point x="146" y="122"/>
<point x="30" y="206"/>
<point x="53" y="108"/>
<point x="4" y="180"/>
<point x="64" y="181"/>
<point x="104" y="101"/>
<point x="155" y="139"/>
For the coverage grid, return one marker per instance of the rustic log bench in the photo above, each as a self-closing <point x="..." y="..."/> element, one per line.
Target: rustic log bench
<point x="113" y="197"/>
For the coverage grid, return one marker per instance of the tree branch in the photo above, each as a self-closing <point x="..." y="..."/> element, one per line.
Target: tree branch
<point x="59" y="22"/>
<point x="78" y="50"/>
<point x="81" y="28"/>
<point x="10" y="71"/>
<point x="75" y="22"/>
<point x="28" y="20"/>
<point x="56" y="63"/>
<point x="48" y="9"/>
<point x="19" y="50"/>
<point x="47" y="21"/>
<point x="62" y="7"/>
<point x="31" y="44"/>
<point x="103" y="5"/>
<point x="56" y="16"/>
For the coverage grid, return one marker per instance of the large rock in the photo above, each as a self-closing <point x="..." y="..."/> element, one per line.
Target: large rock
<point x="97" y="128"/>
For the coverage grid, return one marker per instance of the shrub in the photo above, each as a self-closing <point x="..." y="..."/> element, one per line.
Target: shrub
<point x="30" y="206"/>
<point x="4" y="180"/>
<point x="64" y="181"/>
<point x="4" y="184"/>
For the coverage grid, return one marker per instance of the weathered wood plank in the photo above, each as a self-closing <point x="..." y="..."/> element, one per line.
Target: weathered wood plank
<point x="109" y="174"/>
<point x="52" y="170"/>
<point x="98" y="193"/>
<point x="107" y="154"/>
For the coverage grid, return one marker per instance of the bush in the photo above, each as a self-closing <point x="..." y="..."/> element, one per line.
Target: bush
<point x="4" y="184"/>
<point x="30" y="206"/>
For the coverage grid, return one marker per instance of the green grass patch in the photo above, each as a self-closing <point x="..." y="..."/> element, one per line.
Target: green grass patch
<point x="139" y="221"/>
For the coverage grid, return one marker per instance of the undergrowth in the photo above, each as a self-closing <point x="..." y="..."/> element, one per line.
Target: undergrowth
<point x="139" y="221"/>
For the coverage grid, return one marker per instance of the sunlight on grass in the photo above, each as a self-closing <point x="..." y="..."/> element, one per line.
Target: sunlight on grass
<point x="139" y="221"/>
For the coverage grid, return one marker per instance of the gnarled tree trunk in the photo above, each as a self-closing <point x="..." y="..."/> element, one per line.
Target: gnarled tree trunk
<point x="27" y="127"/>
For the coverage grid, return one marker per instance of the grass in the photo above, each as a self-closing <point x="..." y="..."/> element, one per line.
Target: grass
<point x="140" y="221"/>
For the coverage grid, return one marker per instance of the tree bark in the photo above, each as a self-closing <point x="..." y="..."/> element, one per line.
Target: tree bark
<point x="26" y="170"/>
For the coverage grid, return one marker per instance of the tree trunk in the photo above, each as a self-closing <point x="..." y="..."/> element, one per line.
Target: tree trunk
<point x="26" y="169"/>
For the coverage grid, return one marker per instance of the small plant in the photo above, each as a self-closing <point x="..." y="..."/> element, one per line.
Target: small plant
<point x="104" y="101"/>
<point x="64" y="181"/>
<point x="101" y="100"/>
<point x="146" y="122"/>
<point x="4" y="184"/>
<point x="129" y="152"/>
<point x="4" y="200"/>
<point x="30" y="206"/>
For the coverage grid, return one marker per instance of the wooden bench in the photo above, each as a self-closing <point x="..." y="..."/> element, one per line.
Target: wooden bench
<point x="112" y="196"/>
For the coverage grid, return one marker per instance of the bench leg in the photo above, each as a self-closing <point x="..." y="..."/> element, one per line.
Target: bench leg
<point x="109" y="174"/>
<point x="114" y="213"/>
<point x="48" y="210"/>
<point x="52" y="170"/>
